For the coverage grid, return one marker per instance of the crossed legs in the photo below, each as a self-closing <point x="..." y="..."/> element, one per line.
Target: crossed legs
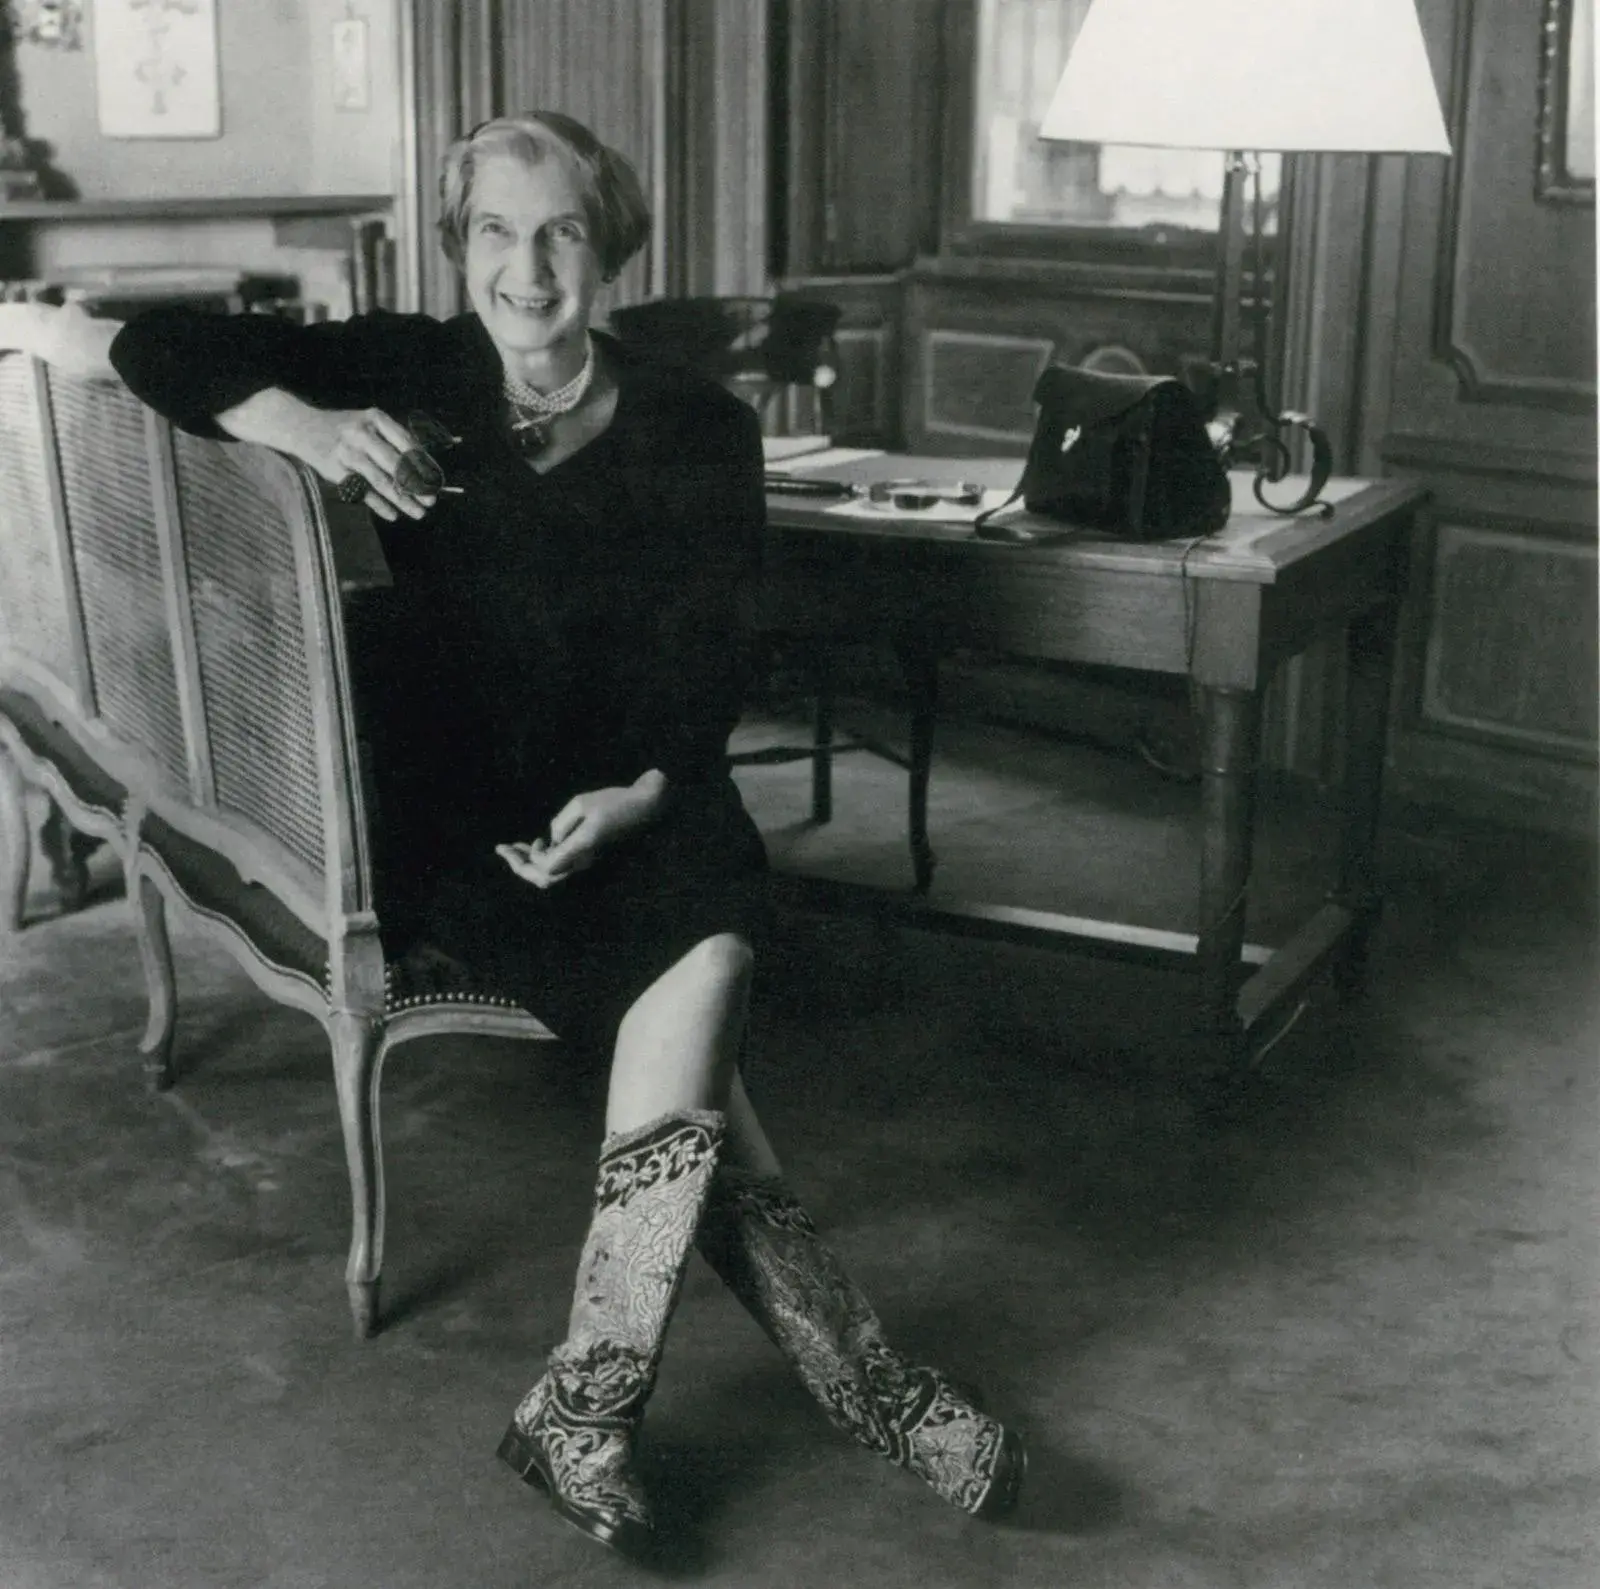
<point x="685" y="1161"/>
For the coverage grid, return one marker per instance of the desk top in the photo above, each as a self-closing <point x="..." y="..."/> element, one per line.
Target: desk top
<point x="1255" y="545"/>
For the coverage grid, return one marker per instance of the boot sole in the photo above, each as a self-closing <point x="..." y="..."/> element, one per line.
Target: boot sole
<point x="523" y="1457"/>
<point x="1006" y="1489"/>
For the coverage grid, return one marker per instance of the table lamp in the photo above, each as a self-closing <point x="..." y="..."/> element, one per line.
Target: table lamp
<point x="1323" y="76"/>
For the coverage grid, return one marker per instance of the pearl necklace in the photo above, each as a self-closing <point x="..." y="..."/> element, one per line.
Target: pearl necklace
<point x="533" y="410"/>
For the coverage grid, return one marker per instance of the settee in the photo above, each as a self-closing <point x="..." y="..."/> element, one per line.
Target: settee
<point x="174" y="674"/>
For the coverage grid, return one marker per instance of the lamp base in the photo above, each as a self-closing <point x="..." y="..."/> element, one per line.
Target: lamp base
<point x="1252" y="433"/>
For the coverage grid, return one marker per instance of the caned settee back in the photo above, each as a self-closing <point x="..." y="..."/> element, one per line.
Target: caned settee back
<point x="173" y="604"/>
<point x="35" y="624"/>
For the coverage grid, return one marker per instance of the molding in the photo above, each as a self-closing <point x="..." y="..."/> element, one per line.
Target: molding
<point x="1414" y="450"/>
<point x="1493" y="783"/>
<point x="1515" y="538"/>
<point x="1552" y="182"/>
<point x="1567" y="532"/>
<point x="878" y="336"/>
<point x="1475" y="382"/>
<point x="407" y="174"/>
<point x="1073" y="277"/>
<point x="1043" y="348"/>
<point x="231" y="207"/>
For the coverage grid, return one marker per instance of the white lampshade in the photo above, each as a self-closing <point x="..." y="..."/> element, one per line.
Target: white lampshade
<point x="1323" y="75"/>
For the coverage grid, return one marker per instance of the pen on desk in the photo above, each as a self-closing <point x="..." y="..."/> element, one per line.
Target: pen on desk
<point x="795" y="485"/>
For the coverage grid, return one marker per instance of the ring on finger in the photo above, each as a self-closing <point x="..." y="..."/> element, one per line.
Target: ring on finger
<point x="353" y="488"/>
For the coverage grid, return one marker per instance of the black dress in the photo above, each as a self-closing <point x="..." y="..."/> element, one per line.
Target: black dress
<point x="546" y="634"/>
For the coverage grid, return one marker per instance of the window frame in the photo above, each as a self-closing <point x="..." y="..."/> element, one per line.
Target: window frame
<point x="1186" y="254"/>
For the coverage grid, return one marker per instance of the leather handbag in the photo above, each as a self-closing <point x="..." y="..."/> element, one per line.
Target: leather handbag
<point x="1124" y="455"/>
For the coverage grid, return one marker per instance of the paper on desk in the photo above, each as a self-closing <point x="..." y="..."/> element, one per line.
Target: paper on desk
<point x="944" y="513"/>
<point x="832" y="458"/>
<point x="780" y="450"/>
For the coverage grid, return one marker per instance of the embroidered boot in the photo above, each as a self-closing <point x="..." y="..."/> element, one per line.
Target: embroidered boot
<point x="764" y="1246"/>
<point x="572" y="1434"/>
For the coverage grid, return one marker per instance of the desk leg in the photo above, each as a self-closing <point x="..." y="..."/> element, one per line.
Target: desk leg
<point x="822" y="736"/>
<point x="1230" y="742"/>
<point x="1370" y="653"/>
<point x="919" y="661"/>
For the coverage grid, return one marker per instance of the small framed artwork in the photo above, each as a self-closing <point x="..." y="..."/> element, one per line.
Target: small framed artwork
<point x="156" y="68"/>
<point x="1566" y="103"/>
<point x="351" y="83"/>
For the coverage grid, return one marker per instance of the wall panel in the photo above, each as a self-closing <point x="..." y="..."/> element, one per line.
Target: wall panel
<point x="1479" y="378"/>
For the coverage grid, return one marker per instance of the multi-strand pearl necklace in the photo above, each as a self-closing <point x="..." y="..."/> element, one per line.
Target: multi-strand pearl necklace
<point x="533" y="410"/>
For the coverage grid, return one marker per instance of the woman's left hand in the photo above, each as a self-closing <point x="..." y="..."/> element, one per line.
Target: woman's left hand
<point x="586" y="826"/>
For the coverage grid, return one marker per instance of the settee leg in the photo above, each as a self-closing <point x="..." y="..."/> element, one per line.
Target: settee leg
<point x="357" y="1051"/>
<point x="18" y="843"/>
<point x="155" y="950"/>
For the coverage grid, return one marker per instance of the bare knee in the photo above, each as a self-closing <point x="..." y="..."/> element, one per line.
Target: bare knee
<point x="720" y="966"/>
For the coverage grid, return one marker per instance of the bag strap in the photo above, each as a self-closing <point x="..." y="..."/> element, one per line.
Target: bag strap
<point x="979" y="524"/>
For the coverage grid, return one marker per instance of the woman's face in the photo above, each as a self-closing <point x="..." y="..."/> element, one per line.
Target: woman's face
<point x="530" y="263"/>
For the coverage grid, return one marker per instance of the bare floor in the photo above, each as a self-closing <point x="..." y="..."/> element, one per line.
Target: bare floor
<point x="1341" y="1335"/>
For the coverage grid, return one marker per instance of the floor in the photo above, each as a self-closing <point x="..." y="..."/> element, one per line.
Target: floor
<point x="1341" y="1334"/>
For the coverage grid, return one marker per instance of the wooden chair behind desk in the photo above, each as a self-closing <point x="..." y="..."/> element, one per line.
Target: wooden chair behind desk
<point x="778" y="353"/>
<point x="173" y="667"/>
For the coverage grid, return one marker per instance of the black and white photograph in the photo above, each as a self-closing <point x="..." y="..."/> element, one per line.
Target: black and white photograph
<point x="799" y="793"/>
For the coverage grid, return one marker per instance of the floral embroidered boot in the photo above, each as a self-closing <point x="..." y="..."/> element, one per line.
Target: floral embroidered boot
<point x="572" y="1434"/>
<point x="764" y="1246"/>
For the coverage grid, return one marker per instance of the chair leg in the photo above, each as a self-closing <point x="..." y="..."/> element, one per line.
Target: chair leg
<point x="822" y="737"/>
<point x="18" y="840"/>
<point x="155" y="952"/>
<point x="357" y="1068"/>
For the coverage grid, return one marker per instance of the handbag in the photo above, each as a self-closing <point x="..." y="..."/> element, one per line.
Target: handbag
<point x="1127" y="455"/>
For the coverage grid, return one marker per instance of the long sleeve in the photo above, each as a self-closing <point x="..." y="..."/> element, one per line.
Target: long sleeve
<point x="714" y="502"/>
<point x="190" y="366"/>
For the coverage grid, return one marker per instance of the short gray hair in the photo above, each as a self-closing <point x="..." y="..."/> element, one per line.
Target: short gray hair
<point x="614" y="202"/>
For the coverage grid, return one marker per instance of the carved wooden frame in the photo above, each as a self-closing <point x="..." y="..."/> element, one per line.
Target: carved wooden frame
<point x="1554" y="181"/>
<point x="1474" y="383"/>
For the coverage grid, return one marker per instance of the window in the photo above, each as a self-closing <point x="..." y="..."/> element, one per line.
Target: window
<point x="1019" y="180"/>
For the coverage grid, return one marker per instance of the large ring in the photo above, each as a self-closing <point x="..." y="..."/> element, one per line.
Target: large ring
<point x="353" y="488"/>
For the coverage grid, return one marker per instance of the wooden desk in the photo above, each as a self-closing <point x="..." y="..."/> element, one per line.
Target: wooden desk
<point x="1225" y="612"/>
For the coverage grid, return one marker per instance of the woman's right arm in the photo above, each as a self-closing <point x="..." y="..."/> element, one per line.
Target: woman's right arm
<point x="315" y="392"/>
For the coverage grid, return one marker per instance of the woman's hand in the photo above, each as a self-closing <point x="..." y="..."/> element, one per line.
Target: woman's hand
<point x="335" y="442"/>
<point x="586" y="826"/>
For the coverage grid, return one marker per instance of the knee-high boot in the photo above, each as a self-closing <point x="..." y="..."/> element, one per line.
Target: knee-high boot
<point x="572" y="1434"/>
<point x="764" y="1246"/>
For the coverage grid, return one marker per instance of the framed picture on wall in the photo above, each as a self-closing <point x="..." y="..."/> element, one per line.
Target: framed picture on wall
<point x="156" y="69"/>
<point x="349" y="57"/>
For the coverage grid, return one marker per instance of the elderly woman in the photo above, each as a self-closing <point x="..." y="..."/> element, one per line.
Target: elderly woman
<point x="573" y="534"/>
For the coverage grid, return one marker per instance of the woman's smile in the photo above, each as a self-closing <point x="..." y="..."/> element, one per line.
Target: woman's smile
<point x="530" y="265"/>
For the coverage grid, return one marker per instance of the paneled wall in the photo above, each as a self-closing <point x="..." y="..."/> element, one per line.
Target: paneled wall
<point x="1437" y="316"/>
<point x="1479" y="377"/>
